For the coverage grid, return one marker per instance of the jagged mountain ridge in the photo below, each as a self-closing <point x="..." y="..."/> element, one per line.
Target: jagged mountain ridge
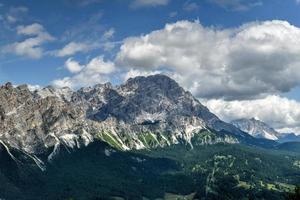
<point x="144" y="112"/>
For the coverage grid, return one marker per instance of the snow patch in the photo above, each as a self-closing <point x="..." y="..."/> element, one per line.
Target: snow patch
<point x="86" y="137"/>
<point x="151" y="117"/>
<point x="61" y="93"/>
<point x="37" y="161"/>
<point x="8" y="151"/>
<point x="71" y="140"/>
<point x="54" y="152"/>
<point x="269" y="136"/>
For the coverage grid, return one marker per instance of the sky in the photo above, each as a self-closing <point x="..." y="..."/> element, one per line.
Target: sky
<point x="240" y="58"/>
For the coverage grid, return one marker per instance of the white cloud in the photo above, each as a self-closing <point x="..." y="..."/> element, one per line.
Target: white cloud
<point x="33" y="88"/>
<point x="95" y="71"/>
<point x="279" y="112"/>
<point x="11" y="19"/>
<point x="73" y="66"/>
<point x="237" y="5"/>
<point x="31" y="30"/>
<point x="108" y="46"/>
<point x="251" y="61"/>
<point x="98" y="65"/>
<point x="134" y="73"/>
<point x="73" y="48"/>
<point x="32" y="46"/>
<point x="148" y="3"/>
<point x="109" y="34"/>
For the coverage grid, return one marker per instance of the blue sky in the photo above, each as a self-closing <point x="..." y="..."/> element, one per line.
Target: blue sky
<point x="58" y="17"/>
<point x="217" y="43"/>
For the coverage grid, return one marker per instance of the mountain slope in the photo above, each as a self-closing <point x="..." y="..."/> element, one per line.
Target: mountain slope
<point x="256" y="128"/>
<point x="289" y="137"/>
<point x="290" y="146"/>
<point x="221" y="171"/>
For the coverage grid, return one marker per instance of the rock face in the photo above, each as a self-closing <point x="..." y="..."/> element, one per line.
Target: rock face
<point x="257" y="128"/>
<point x="144" y="112"/>
<point x="31" y="122"/>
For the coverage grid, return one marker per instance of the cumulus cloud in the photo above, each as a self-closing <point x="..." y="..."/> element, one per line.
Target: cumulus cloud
<point x="32" y="46"/>
<point x="237" y="5"/>
<point x="148" y="3"/>
<point x="251" y="61"/>
<point x="281" y="113"/>
<point x="97" y="70"/>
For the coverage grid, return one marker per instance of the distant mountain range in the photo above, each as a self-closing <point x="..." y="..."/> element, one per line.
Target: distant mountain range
<point x="289" y="137"/>
<point x="121" y="142"/>
<point x="260" y="129"/>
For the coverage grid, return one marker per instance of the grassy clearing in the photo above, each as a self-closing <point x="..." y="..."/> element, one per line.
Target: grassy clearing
<point x="110" y="139"/>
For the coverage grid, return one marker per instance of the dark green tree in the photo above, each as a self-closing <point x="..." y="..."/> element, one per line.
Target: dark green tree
<point x="295" y="195"/>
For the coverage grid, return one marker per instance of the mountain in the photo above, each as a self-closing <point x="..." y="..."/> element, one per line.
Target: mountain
<point x="145" y="139"/>
<point x="144" y="112"/>
<point x="290" y="146"/>
<point x="289" y="137"/>
<point x="257" y="128"/>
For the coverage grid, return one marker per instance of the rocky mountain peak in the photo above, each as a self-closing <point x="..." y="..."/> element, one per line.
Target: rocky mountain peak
<point x="143" y="112"/>
<point x="159" y="80"/>
<point x="256" y="128"/>
<point x="8" y="85"/>
<point x="107" y="85"/>
<point x="152" y="95"/>
<point x="63" y="94"/>
<point x="158" y="83"/>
